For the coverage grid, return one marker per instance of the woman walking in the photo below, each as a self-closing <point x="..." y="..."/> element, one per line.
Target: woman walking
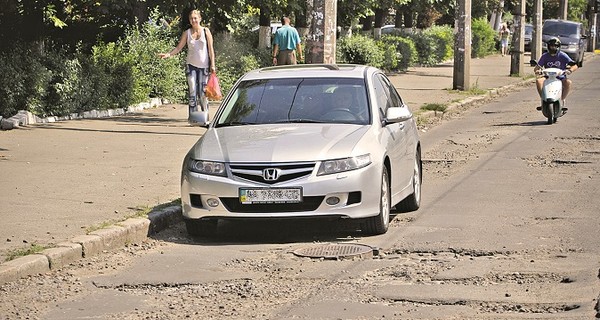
<point x="200" y="60"/>
<point x="504" y="36"/>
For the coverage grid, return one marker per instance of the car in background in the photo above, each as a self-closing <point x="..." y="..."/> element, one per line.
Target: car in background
<point x="528" y="36"/>
<point x="572" y="37"/>
<point x="319" y="141"/>
<point x="391" y="29"/>
<point x="274" y="27"/>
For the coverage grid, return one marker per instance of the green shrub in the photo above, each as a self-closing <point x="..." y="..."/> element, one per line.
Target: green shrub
<point x="110" y="59"/>
<point x="23" y="80"/>
<point x="484" y="38"/>
<point x="443" y="36"/>
<point x="427" y="48"/>
<point x="406" y="53"/>
<point x="153" y="76"/>
<point x="235" y="57"/>
<point x="390" y="55"/>
<point x="360" y="49"/>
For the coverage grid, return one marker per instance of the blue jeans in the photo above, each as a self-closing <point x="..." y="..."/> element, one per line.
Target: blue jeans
<point x="197" y="79"/>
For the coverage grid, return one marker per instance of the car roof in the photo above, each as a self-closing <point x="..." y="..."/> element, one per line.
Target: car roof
<point x="561" y="21"/>
<point x="311" y="71"/>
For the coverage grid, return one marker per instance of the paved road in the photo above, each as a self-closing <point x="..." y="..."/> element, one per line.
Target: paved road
<point x="60" y="179"/>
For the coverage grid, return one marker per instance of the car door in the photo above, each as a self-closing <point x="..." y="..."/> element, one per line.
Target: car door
<point x="397" y="141"/>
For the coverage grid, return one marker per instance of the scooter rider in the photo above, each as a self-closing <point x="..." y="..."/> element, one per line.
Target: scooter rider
<point x="555" y="58"/>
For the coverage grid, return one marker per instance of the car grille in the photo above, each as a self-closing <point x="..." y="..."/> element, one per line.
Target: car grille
<point x="307" y="204"/>
<point x="271" y="173"/>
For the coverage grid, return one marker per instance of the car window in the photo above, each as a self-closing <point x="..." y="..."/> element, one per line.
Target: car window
<point x="561" y="29"/>
<point x="386" y="94"/>
<point x="297" y="100"/>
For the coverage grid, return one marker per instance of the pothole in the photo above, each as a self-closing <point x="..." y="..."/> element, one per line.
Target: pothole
<point x="336" y="251"/>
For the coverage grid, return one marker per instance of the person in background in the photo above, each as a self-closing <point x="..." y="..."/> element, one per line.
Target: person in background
<point x="286" y="41"/>
<point x="554" y="58"/>
<point x="504" y="36"/>
<point x="200" y="60"/>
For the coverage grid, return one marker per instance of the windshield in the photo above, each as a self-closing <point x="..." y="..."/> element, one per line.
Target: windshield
<point x="297" y="100"/>
<point x="561" y="29"/>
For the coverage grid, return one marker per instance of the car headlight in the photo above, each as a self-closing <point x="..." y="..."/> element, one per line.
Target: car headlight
<point x="346" y="164"/>
<point x="207" y="167"/>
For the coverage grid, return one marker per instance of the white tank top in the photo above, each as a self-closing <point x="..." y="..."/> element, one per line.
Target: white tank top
<point x="197" y="50"/>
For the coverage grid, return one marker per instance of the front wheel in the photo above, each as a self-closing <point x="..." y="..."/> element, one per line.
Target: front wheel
<point x="548" y="110"/>
<point x="380" y="223"/>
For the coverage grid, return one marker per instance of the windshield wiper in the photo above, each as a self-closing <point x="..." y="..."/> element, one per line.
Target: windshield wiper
<point x="303" y="121"/>
<point x="235" y="123"/>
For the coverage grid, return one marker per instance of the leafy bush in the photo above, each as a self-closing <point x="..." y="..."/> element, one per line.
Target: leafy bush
<point x="360" y="49"/>
<point x="483" y="37"/>
<point x="406" y="53"/>
<point x="152" y="76"/>
<point x="427" y="48"/>
<point x="390" y="55"/>
<point x="23" y="80"/>
<point x="444" y="38"/>
<point x="110" y="59"/>
<point x="235" y="57"/>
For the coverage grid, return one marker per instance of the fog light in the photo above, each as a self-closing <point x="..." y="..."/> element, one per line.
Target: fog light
<point x="332" y="201"/>
<point x="212" y="202"/>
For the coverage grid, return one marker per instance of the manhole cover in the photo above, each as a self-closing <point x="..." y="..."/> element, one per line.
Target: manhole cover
<point x="336" y="251"/>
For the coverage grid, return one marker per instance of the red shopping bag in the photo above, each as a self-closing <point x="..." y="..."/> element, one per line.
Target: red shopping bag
<point x="213" y="90"/>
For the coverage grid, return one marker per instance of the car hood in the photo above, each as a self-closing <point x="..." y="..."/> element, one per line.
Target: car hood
<point x="278" y="143"/>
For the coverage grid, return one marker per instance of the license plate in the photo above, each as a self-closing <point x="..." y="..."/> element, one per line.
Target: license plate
<point x="271" y="195"/>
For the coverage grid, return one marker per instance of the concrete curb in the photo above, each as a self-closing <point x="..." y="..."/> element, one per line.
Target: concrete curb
<point x="133" y="230"/>
<point x="469" y="101"/>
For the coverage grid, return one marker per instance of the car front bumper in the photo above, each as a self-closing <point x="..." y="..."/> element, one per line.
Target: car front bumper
<point x="358" y="191"/>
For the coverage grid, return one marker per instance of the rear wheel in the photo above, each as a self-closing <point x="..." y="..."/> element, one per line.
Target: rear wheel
<point x="380" y="223"/>
<point x="413" y="201"/>
<point x="197" y="227"/>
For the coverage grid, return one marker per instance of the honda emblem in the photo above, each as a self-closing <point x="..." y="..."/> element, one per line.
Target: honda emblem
<point x="271" y="174"/>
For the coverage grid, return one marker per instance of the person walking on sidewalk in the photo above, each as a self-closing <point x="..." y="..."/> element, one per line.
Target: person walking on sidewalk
<point x="504" y="36"/>
<point x="286" y="40"/>
<point x="200" y="60"/>
<point x="554" y="58"/>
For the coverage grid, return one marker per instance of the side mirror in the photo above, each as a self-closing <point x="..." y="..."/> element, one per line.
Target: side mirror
<point x="532" y="63"/>
<point x="398" y="114"/>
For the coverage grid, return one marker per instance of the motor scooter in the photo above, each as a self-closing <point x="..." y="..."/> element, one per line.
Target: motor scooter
<point x="552" y="104"/>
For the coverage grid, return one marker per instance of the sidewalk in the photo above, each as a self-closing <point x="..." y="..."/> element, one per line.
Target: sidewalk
<point x="62" y="180"/>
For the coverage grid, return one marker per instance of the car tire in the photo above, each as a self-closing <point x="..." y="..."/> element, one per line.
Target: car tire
<point x="380" y="223"/>
<point x="413" y="201"/>
<point x="196" y="227"/>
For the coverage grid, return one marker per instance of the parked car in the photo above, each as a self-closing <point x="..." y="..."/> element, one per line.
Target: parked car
<point x="571" y="35"/>
<point x="528" y="36"/>
<point x="304" y="141"/>
<point x="391" y="29"/>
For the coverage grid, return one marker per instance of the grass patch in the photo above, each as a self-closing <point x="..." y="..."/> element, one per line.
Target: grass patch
<point x="139" y="212"/>
<point x="435" y="107"/>
<point x="34" y="248"/>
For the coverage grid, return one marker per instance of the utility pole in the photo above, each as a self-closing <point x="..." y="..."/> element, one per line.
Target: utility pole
<point x="536" y="37"/>
<point x="518" y="45"/>
<point x="562" y="10"/>
<point x="462" y="47"/>
<point x="593" y="22"/>
<point x="320" y="41"/>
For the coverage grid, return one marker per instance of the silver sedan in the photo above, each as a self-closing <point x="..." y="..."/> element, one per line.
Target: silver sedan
<point x="318" y="141"/>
